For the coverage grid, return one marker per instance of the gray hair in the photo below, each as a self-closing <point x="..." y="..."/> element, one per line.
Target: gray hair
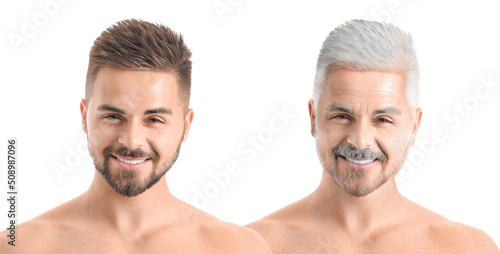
<point x="367" y="45"/>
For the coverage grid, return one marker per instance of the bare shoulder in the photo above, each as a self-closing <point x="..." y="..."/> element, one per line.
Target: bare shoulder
<point x="289" y="228"/>
<point x="450" y="235"/>
<point x="271" y="227"/>
<point x="461" y="237"/>
<point x="29" y="237"/>
<point x="220" y="235"/>
<point x="233" y="238"/>
<point x="286" y="219"/>
<point x="11" y="238"/>
<point x="37" y="234"/>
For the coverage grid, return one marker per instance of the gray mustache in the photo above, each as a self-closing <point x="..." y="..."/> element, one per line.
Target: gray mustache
<point x="350" y="151"/>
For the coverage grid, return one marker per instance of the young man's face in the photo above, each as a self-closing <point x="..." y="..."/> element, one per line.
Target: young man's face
<point x="135" y="125"/>
<point x="364" y="127"/>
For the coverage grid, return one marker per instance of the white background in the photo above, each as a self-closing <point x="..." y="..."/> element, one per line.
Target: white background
<point x="254" y="59"/>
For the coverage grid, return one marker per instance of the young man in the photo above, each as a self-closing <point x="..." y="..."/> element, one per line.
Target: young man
<point x="136" y="115"/>
<point x="365" y="116"/>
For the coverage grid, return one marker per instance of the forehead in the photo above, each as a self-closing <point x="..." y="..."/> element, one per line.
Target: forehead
<point x="369" y="87"/>
<point x="134" y="88"/>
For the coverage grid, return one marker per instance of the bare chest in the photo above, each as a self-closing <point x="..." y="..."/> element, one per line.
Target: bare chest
<point x="323" y="242"/>
<point x="96" y="242"/>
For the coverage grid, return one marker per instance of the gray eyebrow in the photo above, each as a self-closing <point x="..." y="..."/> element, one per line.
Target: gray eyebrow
<point x="390" y="110"/>
<point x="333" y="107"/>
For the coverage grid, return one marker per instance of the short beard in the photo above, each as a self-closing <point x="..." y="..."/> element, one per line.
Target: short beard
<point x="127" y="182"/>
<point x="352" y="181"/>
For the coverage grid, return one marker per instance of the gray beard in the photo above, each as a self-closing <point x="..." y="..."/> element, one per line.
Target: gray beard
<point x="353" y="183"/>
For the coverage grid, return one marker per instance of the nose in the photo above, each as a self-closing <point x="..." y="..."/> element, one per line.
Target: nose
<point x="132" y="136"/>
<point x="361" y="135"/>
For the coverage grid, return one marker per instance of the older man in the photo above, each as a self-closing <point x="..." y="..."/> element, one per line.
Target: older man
<point x="136" y="115"/>
<point x="365" y="116"/>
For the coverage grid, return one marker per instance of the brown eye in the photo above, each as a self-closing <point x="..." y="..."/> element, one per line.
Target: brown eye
<point x="112" y="117"/>
<point x="341" y="117"/>
<point x="155" y="120"/>
<point x="384" y="120"/>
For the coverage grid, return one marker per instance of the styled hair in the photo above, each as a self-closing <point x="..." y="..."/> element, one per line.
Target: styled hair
<point x="367" y="45"/>
<point x="140" y="45"/>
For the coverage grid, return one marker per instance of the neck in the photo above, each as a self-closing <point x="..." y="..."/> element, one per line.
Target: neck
<point x="104" y="206"/>
<point x="384" y="206"/>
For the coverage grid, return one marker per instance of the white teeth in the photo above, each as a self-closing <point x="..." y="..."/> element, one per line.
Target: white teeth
<point x="360" y="161"/>
<point x="130" y="162"/>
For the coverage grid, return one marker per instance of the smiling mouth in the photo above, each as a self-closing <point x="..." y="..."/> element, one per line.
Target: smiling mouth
<point x="131" y="162"/>
<point x="360" y="162"/>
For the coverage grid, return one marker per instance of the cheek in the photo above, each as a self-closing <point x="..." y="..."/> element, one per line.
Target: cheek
<point x="164" y="142"/>
<point x="330" y="137"/>
<point x="100" y="137"/>
<point x="394" y="145"/>
<point x="326" y="140"/>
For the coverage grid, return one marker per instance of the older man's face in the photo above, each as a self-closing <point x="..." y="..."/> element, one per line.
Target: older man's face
<point x="364" y="127"/>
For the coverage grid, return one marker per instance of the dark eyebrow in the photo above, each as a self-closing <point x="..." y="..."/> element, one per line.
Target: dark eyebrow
<point x="147" y="112"/>
<point x="390" y="110"/>
<point x="333" y="107"/>
<point x="110" y="108"/>
<point x="158" y="111"/>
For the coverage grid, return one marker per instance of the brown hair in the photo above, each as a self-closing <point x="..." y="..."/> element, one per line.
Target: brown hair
<point x="140" y="45"/>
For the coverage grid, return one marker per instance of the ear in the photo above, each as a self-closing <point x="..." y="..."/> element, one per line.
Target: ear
<point x="312" y="117"/>
<point x="83" y="112"/>
<point x="416" y="123"/>
<point x="188" y="119"/>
